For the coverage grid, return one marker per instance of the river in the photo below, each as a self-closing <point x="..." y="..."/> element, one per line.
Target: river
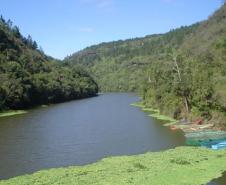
<point x="80" y="132"/>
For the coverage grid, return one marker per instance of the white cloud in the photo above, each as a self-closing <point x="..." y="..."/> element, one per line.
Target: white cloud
<point x="168" y="1"/>
<point x="99" y="3"/>
<point x="86" y="30"/>
<point x="104" y="3"/>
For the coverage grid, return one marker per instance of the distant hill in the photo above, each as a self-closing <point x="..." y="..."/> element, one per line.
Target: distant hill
<point x="121" y="65"/>
<point x="151" y="66"/>
<point x="28" y="77"/>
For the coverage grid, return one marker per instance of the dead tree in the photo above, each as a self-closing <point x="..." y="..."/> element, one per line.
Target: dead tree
<point x="176" y="67"/>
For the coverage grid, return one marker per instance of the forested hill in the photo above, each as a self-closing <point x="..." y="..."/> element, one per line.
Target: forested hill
<point x="121" y="65"/>
<point x="182" y="72"/>
<point x="28" y="77"/>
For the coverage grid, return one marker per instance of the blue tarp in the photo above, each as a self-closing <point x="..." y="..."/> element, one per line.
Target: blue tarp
<point x="220" y="145"/>
<point x="211" y="139"/>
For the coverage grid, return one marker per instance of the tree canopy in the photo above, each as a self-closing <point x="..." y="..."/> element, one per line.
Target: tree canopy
<point x="182" y="72"/>
<point x="28" y="77"/>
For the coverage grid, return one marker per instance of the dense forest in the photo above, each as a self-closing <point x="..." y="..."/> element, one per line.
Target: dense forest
<point x="28" y="77"/>
<point x="182" y="72"/>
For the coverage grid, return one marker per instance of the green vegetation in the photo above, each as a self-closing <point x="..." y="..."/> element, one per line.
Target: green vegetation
<point x="12" y="113"/>
<point x="28" y="77"/>
<point x="183" y="165"/>
<point x="137" y="104"/>
<point x="155" y="113"/>
<point x="163" y="118"/>
<point x="182" y="73"/>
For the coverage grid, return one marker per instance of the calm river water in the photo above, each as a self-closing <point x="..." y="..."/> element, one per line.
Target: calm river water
<point x="80" y="132"/>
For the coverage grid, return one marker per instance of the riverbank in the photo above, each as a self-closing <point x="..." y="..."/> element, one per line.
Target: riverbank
<point x="197" y="133"/>
<point x="182" y="165"/>
<point x="130" y="135"/>
<point x="12" y="113"/>
<point x="7" y="113"/>
<point x="155" y="113"/>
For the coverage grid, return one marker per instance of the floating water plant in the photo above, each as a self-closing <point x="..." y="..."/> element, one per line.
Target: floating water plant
<point x="183" y="165"/>
<point x="155" y="113"/>
<point x="12" y="113"/>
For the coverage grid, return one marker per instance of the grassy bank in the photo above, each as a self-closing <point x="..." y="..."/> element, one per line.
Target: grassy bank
<point x="12" y="113"/>
<point x="155" y="113"/>
<point x="206" y="135"/>
<point x="183" y="165"/>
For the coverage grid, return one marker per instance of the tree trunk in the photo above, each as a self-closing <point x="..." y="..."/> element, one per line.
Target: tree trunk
<point x="180" y="79"/>
<point x="186" y="104"/>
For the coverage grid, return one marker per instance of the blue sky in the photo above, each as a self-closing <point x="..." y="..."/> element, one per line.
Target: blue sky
<point x="62" y="27"/>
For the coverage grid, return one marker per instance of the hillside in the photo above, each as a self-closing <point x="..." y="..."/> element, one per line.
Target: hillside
<point x="182" y="72"/>
<point x="28" y="77"/>
<point x="121" y="65"/>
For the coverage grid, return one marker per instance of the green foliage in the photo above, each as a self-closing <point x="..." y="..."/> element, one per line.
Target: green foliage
<point x="180" y="73"/>
<point x="123" y="65"/>
<point x="28" y="77"/>
<point x="180" y="86"/>
<point x="183" y="165"/>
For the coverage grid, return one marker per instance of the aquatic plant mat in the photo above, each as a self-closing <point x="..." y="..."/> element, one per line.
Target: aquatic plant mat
<point x="180" y="166"/>
<point x="12" y="113"/>
<point x="155" y="113"/>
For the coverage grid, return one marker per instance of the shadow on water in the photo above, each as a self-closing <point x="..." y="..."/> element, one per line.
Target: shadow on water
<point x="78" y="133"/>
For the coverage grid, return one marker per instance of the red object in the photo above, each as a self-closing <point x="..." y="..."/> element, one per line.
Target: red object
<point x="198" y="121"/>
<point x="173" y="128"/>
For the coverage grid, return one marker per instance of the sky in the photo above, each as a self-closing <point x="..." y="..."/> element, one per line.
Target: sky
<point x="62" y="27"/>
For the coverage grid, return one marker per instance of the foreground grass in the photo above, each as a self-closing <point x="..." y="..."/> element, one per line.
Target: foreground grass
<point x="12" y="113"/>
<point x="180" y="166"/>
